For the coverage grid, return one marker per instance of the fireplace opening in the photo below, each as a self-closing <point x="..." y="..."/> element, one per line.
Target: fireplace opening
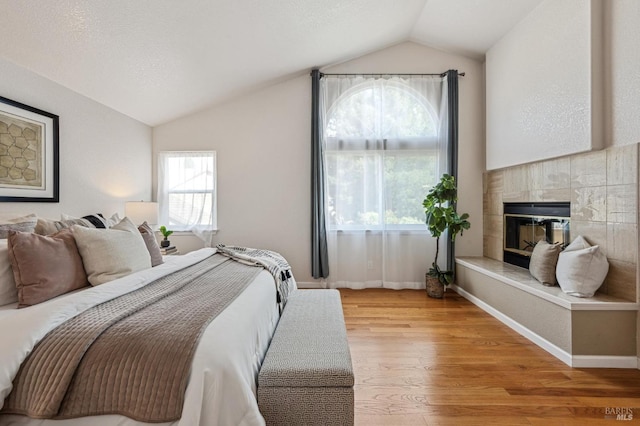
<point x="527" y="223"/>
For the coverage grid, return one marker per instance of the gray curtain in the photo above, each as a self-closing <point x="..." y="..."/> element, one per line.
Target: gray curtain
<point x="452" y="131"/>
<point x="319" y="254"/>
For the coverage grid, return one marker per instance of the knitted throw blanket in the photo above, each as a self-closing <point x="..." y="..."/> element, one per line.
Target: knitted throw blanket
<point x="269" y="260"/>
<point x="130" y="355"/>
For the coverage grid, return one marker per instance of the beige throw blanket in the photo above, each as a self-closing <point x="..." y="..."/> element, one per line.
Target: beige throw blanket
<point x="130" y="355"/>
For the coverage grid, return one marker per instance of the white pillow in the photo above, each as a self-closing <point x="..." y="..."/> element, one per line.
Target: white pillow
<point x="581" y="268"/>
<point x="8" y="289"/>
<point x="108" y="254"/>
<point x="113" y="220"/>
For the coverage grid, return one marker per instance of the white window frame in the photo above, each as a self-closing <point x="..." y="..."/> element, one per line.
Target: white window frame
<point x="163" y="207"/>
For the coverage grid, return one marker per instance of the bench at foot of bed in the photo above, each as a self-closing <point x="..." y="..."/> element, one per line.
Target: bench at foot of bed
<point x="307" y="377"/>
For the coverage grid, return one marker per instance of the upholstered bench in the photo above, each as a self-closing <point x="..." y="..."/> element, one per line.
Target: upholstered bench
<point x="306" y="377"/>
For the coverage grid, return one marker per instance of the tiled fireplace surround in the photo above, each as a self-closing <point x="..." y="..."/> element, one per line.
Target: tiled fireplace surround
<point x="602" y="187"/>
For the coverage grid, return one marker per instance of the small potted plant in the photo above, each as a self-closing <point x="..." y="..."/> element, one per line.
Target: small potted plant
<point x="165" y="233"/>
<point x="441" y="217"/>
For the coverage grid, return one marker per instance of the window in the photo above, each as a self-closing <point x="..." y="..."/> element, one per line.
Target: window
<point x="379" y="143"/>
<point x="372" y="190"/>
<point x="187" y="190"/>
<point x="381" y="156"/>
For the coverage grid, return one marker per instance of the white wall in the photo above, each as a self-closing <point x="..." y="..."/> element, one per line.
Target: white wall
<point x="622" y="56"/>
<point x="544" y="85"/>
<point x="541" y="76"/>
<point x="263" y="156"/>
<point x="105" y="157"/>
<point x="263" y="152"/>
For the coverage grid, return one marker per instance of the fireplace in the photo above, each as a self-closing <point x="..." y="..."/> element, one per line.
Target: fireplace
<point x="527" y="223"/>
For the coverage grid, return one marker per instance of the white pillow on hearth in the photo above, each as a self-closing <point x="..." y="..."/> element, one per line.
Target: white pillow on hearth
<point x="544" y="259"/>
<point x="581" y="268"/>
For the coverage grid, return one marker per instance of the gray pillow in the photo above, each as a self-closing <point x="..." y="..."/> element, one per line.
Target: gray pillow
<point x="152" y="244"/>
<point x="45" y="226"/>
<point x="23" y="224"/>
<point x="48" y="226"/>
<point x="543" y="262"/>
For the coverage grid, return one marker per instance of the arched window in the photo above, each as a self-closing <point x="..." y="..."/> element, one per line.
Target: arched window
<point x="381" y="144"/>
<point x="381" y="109"/>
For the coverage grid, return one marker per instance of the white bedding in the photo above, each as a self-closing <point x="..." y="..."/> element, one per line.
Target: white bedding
<point x="222" y="384"/>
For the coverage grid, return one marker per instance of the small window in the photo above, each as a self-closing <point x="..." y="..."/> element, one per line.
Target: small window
<point x="187" y="190"/>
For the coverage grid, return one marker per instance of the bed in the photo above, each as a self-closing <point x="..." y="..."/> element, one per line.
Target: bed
<point x="221" y="387"/>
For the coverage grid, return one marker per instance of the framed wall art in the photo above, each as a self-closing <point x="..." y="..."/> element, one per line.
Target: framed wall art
<point x="29" y="150"/>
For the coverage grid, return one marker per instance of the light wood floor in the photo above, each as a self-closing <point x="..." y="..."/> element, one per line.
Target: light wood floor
<point x="422" y="361"/>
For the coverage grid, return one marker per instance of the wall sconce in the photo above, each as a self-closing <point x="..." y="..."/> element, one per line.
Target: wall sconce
<point x="141" y="211"/>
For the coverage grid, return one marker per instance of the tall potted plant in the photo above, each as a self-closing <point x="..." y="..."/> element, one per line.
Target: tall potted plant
<point x="441" y="217"/>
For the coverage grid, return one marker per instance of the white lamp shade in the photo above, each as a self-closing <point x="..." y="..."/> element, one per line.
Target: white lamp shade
<point x="141" y="211"/>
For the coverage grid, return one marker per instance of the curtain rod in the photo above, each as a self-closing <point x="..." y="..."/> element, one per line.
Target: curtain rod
<point x="442" y="74"/>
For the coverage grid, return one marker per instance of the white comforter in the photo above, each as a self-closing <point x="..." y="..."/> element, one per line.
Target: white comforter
<point x="222" y="384"/>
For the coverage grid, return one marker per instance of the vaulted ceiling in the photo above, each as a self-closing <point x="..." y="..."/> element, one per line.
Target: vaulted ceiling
<point x="156" y="60"/>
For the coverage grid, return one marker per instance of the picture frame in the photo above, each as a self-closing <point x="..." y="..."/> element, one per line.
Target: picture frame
<point x="29" y="154"/>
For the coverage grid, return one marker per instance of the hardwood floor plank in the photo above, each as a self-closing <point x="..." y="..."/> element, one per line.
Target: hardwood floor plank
<point x="477" y="421"/>
<point x="391" y="420"/>
<point x="421" y="361"/>
<point x="606" y="401"/>
<point x="577" y="391"/>
<point x="576" y="421"/>
<point x="482" y="411"/>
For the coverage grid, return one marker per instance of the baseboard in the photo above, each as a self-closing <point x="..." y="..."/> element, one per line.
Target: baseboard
<point x="362" y="285"/>
<point x="604" y="361"/>
<point x="309" y="284"/>
<point x="579" y="361"/>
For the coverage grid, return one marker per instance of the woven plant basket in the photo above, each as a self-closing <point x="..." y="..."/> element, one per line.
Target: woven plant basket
<point x="435" y="288"/>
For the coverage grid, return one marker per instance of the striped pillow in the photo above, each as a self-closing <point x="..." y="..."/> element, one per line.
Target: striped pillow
<point x="94" y="220"/>
<point x="24" y="224"/>
<point x="97" y="220"/>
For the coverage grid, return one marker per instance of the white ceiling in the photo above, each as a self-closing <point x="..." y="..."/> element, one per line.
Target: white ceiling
<point x="156" y="60"/>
